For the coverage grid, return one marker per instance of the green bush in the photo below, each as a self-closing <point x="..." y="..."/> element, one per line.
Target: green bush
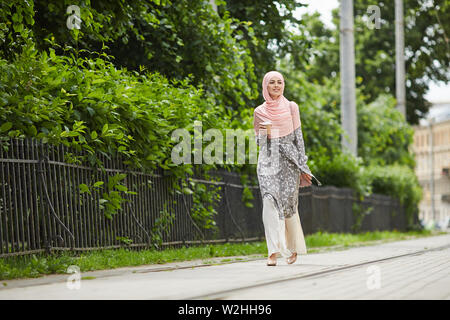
<point x="342" y="170"/>
<point x="384" y="136"/>
<point x="89" y="104"/>
<point x="178" y="39"/>
<point x="397" y="181"/>
<point x="82" y="99"/>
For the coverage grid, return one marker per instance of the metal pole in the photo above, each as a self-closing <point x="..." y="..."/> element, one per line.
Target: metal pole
<point x="347" y="63"/>
<point x="400" y="58"/>
<point x="430" y="127"/>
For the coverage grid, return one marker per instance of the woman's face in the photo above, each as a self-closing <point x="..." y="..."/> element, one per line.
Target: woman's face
<point x="275" y="87"/>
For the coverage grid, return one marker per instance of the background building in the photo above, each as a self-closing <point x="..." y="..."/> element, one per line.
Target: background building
<point x="432" y="149"/>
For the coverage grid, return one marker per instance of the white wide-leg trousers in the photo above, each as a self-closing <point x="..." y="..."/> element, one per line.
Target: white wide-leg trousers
<point x="283" y="236"/>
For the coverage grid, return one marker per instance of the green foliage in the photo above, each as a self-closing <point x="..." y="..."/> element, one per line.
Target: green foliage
<point x="323" y="239"/>
<point x="383" y="135"/>
<point x="90" y="105"/>
<point x="112" y="199"/>
<point x="384" y="139"/>
<point x="398" y="181"/>
<point x="342" y="170"/>
<point x="125" y="240"/>
<point x="358" y="215"/>
<point x="177" y="39"/>
<point x="319" y="109"/>
<point x="162" y="225"/>
<point x="426" y="44"/>
<point x="274" y="32"/>
<point x="65" y="86"/>
<point x="38" y="265"/>
<point x="205" y="200"/>
<point x="16" y="19"/>
<point x="247" y="194"/>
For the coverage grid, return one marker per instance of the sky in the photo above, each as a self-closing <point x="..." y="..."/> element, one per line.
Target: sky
<point x="437" y="93"/>
<point x="324" y="7"/>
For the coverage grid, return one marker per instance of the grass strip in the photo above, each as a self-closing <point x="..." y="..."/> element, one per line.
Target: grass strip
<point x="39" y="265"/>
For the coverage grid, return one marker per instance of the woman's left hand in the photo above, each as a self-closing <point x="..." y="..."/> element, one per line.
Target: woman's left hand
<point x="305" y="180"/>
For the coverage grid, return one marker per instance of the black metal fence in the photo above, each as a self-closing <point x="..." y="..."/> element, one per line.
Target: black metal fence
<point x="42" y="207"/>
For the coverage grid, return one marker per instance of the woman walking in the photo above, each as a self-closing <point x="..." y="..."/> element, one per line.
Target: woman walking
<point x="281" y="169"/>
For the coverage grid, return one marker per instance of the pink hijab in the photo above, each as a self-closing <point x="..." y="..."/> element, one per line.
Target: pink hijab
<point x="284" y="115"/>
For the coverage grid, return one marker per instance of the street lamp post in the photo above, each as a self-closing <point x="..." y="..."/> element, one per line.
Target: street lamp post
<point x="347" y="66"/>
<point x="431" y="142"/>
<point x="400" y="58"/>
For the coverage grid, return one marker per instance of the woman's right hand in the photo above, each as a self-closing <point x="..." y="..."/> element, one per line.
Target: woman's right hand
<point x="265" y="127"/>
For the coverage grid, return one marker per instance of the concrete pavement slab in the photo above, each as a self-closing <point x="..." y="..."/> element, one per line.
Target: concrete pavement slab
<point x="254" y="280"/>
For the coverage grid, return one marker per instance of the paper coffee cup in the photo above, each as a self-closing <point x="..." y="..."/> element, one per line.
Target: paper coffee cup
<point x="268" y="125"/>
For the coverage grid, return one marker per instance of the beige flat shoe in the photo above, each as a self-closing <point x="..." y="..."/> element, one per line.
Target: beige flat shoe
<point x="271" y="262"/>
<point x="292" y="258"/>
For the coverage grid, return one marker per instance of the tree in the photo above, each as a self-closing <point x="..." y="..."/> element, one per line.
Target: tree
<point x="426" y="46"/>
<point x="179" y="39"/>
<point x="277" y="31"/>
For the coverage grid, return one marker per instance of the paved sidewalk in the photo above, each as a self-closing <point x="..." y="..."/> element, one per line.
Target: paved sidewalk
<point x="422" y="276"/>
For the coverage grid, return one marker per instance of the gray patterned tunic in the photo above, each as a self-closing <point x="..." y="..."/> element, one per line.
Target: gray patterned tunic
<point x="280" y="163"/>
